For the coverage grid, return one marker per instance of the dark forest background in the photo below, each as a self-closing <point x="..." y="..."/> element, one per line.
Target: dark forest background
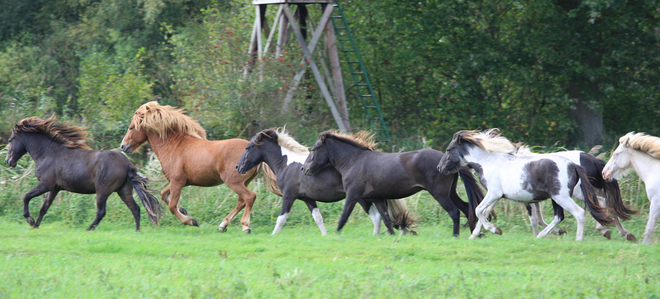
<point x="554" y="73"/>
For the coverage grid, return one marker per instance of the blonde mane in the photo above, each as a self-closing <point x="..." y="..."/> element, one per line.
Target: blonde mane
<point x="163" y="120"/>
<point x="489" y="140"/>
<point x="64" y="134"/>
<point x="286" y="141"/>
<point x="362" y="139"/>
<point x="640" y="141"/>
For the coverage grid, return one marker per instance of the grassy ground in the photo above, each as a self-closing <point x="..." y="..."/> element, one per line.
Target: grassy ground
<point x="114" y="261"/>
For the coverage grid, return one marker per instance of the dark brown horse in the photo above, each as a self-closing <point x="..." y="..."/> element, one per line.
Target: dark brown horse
<point x="284" y="155"/>
<point x="64" y="162"/>
<point x="376" y="176"/>
<point x="187" y="158"/>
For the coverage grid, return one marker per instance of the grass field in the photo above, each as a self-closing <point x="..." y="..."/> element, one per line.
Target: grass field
<point x="62" y="260"/>
<point x="59" y="260"/>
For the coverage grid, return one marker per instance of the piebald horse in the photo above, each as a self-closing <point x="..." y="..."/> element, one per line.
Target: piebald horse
<point x="376" y="176"/>
<point x="187" y="158"/>
<point x="640" y="152"/>
<point x="284" y="155"/>
<point x="63" y="162"/>
<point x="524" y="179"/>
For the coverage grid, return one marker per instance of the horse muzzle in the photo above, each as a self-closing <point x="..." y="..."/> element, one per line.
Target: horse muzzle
<point x="126" y="148"/>
<point x="240" y="168"/>
<point x="9" y="162"/>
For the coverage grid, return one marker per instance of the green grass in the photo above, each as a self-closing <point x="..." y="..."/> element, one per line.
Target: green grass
<point x="59" y="260"/>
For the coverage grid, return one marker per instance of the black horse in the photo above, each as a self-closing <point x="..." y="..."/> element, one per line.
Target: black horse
<point x="376" y="176"/>
<point x="64" y="162"/>
<point x="285" y="156"/>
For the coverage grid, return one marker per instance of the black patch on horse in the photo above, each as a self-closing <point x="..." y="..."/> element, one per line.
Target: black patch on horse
<point x="541" y="178"/>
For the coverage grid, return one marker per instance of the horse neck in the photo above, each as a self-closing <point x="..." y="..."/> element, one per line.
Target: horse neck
<point x="644" y="165"/>
<point x="166" y="148"/>
<point x="483" y="157"/>
<point x="343" y="155"/>
<point x="40" y="146"/>
<point x="276" y="161"/>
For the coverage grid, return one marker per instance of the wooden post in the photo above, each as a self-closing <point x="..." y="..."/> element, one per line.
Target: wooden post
<point x="315" y="70"/>
<point x="336" y="70"/>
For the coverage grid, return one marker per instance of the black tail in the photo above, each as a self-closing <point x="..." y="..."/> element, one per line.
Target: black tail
<point x="150" y="203"/>
<point x="474" y="194"/>
<point x="590" y="199"/>
<point x="612" y="194"/>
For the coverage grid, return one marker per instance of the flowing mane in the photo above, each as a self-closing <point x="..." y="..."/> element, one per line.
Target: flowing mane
<point x="164" y="120"/>
<point x="640" y="141"/>
<point x="489" y="140"/>
<point x="362" y="139"/>
<point x="65" y="134"/>
<point x="286" y="141"/>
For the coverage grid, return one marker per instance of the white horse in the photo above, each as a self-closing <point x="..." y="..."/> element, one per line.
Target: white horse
<point x="642" y="153"/>
<point x="524" y="179"/>
<point x="609" y="193"/>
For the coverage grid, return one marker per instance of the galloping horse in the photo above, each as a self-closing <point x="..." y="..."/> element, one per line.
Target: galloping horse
<point x="376" y="176"/>
<point x="187" y="158"/>
<point x="285" y="156"/>
<point x="525" y="179"/>
<point x="609" y="189"/>
<point x="64" y="162"/>
<point x="642" y="153"/>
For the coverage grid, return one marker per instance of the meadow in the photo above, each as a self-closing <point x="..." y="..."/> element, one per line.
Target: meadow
<point x="61" y="259"/>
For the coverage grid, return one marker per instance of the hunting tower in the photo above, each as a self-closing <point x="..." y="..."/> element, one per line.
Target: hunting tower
<point x="335" y="27"/>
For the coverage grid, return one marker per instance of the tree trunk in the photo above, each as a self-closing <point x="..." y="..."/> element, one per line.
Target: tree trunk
<point x="589" y="121"/>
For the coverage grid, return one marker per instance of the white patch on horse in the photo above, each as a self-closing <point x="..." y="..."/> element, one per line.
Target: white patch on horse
<point x="279" y="223"/>
<point x="292" y="157"/>
<point x="375" y="218"/>
<point x="319" y="221"/>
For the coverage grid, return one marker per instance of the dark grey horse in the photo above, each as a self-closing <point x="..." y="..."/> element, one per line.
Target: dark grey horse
<point x="285" y="156"/>
<point x="376" y="176"/>
<point x="64" y="162"/>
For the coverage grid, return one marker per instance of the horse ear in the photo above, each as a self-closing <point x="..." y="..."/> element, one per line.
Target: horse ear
<point x="322" y="138"/>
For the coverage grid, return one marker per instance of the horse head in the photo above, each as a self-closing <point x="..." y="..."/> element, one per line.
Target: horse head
<point x="15" y="150"/>
<point x="452" y="160"/>
<point x="135" y="135"/>
<point x="253" y="155"/>
<point x="318" y="157"/>
<point x="619" y="161"/>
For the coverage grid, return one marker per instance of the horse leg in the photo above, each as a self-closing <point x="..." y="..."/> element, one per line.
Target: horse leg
<point x="371" y="209"/>
<point x="39" y="189"/>
<point x="349" y="204"/>
<point x="482" y="211"/>
<point x="126" y="195"/>
<point x="533" y="218"/>
<point x="381" y="205"/>
<point x="287" y="202"/>
<point x="101" y="199"/>
<point x="602" y="229"/>
<point x="567" y="203"/>
<point x="654" y="212"/>
<point x="453" y="211"/>
<point x="559" y="217"/>
<point x="173" y="205"/>
<point x="246" y="196"/>
<point x="165" y="197"/>
<point x="50" y="196"/>
<point x="318" y="218"/>
<point x="240" y="204"/>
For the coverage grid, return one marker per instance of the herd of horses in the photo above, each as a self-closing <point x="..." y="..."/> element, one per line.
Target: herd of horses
<point x="338" y="166"/>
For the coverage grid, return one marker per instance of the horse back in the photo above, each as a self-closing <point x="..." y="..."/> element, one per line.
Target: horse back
<point x="84" y="171"/>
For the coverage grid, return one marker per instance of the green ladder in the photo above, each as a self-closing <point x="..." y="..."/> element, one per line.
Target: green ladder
<point x="359" y="73"/>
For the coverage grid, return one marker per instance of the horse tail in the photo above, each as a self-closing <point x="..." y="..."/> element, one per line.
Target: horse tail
<point x="590" y="198"/>
<point x="613" y="195"/>
<point x="403" y="220"/>
<point x="270" y="179"/>
<point x="474" y="194"/>
<point x="150" y="203"/>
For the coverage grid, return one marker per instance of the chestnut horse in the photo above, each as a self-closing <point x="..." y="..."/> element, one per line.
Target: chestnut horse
<point x="187" y="158"/>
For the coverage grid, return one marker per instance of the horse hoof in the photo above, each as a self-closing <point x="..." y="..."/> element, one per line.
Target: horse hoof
<point x="608" y="235"/>
<point x="561" y="232"/>
<point x="412" y="232"/>
<point x="631" y="238"/>
<point x="498" y="231"/>
<point x="222" y="229"/>
<point x="194" y="223"/>
<point x="183" y="211"/>
<point x="30" y="221"/>
<point x="247" y="231"/>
